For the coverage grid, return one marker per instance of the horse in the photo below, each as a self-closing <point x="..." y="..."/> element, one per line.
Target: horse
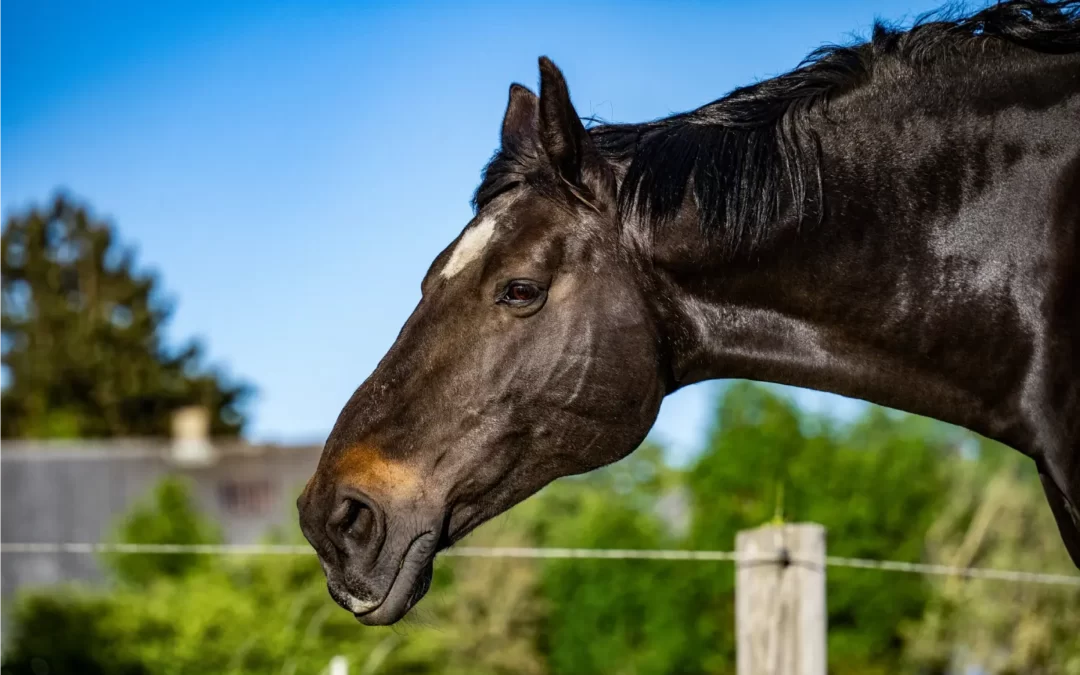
<point x="896" y="220"/>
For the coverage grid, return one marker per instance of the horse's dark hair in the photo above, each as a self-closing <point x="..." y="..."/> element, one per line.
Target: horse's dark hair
<point x="751" y="152"/>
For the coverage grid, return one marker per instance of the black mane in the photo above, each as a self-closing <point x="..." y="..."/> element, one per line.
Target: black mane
<point x="755" y="146"/>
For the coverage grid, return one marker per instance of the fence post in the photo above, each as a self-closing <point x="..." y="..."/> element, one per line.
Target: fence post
<point x="780" y="618"/>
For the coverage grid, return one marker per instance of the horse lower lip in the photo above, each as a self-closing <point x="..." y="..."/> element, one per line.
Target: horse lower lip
<point x="375" y="604"/>
<point x="359" y="608"/>
<point x="415" y="577"/>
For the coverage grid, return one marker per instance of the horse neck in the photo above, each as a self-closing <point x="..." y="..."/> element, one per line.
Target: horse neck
<point x="914" y="291"/>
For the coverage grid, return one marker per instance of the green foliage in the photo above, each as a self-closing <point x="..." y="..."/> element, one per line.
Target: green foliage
<point x="166" y="517"/>
<point x="615" y="616"/>
<point x="68" y="631"/>
<point x="875" y="486"/>
<point x="263" y="614"/>
<point x="887" y="486"/>
<point x="996" y="516"/>
<point x="82" y="342"/>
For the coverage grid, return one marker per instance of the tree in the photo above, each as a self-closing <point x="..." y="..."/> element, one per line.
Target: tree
<point x="167" y="516"/>
<point x="997" y="517"/>
<point x="79" y="631"/>
<point x="617" y="616"/>
<point x="263" y="614"/>
<point x="886" y="486"/>
<point x="875" y="485"/>
<point x="83" y="353"/>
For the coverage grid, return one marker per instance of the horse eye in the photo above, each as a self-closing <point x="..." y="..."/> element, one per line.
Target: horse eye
<point x="519" y="293"/>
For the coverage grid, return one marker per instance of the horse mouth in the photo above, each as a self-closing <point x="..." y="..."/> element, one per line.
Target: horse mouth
<point x="412" y="582"/>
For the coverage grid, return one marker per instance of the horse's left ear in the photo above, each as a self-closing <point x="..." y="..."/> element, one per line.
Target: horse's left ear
<point x="567" y="144"/>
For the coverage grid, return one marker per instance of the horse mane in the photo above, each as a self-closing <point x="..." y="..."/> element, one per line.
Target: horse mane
<point x="751" y="152"/>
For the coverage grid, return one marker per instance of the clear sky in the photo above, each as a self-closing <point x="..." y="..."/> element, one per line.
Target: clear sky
<point x="291" y="169"/>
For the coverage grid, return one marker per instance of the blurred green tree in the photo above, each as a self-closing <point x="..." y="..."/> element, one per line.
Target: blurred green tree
<point x="618" y="616"/>
<point x="886" y="486"/>
<point x="997" y="516"/>
<point x="83" y="351"/>
<point x="166" y="516"/>
<point x="265" y="614"/>
<point x="74" y="631"/>
<point x="876" y="485"/>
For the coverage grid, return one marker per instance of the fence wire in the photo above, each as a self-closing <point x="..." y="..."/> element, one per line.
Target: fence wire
<point x="1018" y="576"/>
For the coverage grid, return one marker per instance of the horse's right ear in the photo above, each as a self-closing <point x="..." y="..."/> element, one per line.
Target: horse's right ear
<point x="521" y="124"/>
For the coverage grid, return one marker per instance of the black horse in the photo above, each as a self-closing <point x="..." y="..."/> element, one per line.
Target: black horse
<point x="897" y="221"/>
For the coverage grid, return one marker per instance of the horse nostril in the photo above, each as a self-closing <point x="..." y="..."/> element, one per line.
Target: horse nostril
<point x="359" y="521"/>
<point x="353" y="522"/>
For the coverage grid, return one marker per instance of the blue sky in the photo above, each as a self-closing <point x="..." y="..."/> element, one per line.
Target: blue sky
<point x="291" y="169"/>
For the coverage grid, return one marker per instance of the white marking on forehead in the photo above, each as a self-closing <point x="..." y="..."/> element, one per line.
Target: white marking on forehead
<point x="470" y="246"/>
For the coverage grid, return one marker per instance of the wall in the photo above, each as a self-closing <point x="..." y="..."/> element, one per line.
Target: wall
<point x="73" y="492"/>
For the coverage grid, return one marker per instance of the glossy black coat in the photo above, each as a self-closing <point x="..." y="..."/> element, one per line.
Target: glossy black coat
<point x="896" y="221"/>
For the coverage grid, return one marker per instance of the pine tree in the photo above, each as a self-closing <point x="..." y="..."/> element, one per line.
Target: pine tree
<point x="83" y="350"/>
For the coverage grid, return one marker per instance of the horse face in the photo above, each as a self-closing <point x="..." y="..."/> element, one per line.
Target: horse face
<point x="531" y="355"/>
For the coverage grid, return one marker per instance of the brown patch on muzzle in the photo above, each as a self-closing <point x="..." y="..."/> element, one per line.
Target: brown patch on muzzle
<point x="367" y="468"/>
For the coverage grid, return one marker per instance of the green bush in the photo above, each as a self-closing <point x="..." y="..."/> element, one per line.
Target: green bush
<point x="876" y="485"/>
<point x="180" y="614"/>
<point x="887" y="486"/>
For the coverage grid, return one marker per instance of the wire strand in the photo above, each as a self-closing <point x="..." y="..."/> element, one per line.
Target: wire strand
<point x="1017" y="576"/>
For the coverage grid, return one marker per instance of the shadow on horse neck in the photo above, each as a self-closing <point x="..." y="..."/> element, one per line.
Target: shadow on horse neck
<point x="895" y="221"/>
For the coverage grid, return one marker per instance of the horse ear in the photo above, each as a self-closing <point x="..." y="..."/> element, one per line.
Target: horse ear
<point x="561" y="131"/>
<point x="563" y="136"/>
<point x="519" y="127"/>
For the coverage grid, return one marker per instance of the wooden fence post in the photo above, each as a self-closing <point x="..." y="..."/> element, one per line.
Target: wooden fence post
<point x="780" y="618"/>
